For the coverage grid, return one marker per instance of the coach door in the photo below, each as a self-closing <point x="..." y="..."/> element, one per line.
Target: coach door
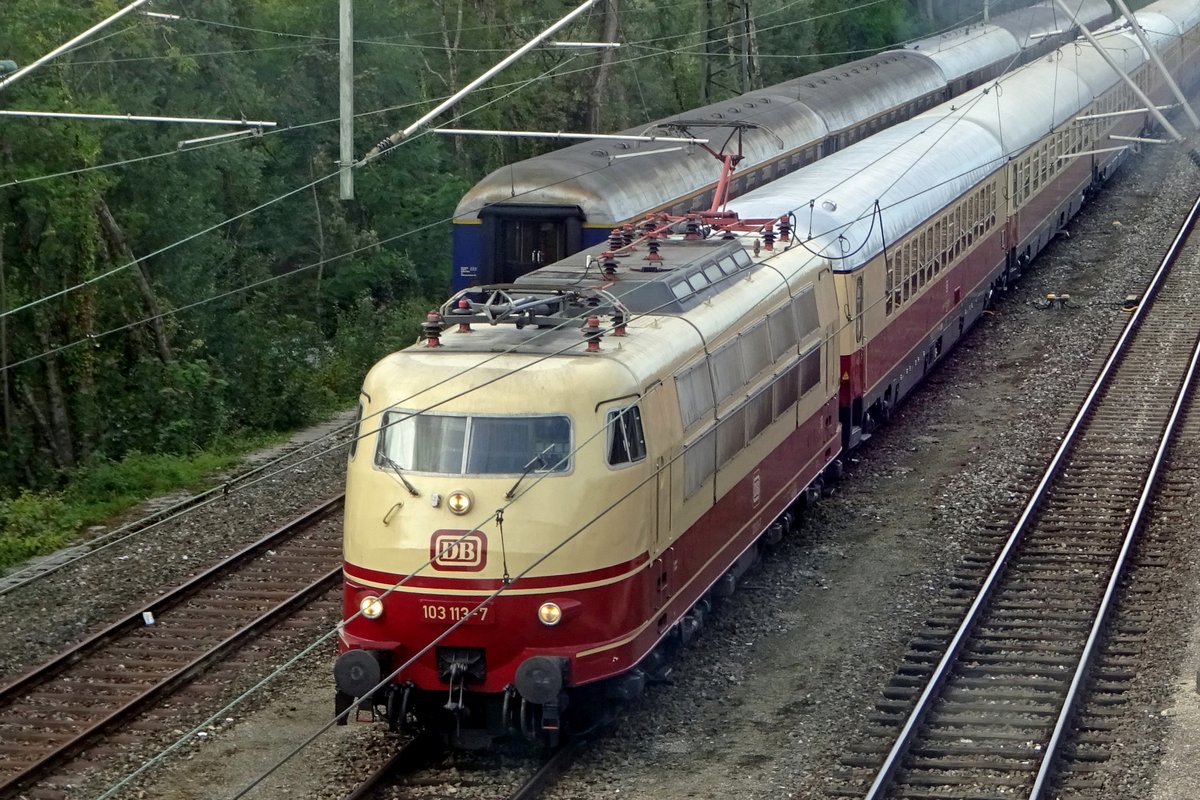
<point x="519" y="239"/>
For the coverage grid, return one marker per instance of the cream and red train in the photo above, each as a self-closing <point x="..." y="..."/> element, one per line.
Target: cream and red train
<point x="636" y="467"/>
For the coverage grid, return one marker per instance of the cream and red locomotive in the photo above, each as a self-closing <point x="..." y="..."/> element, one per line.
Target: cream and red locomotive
<point x="548" y="491"/>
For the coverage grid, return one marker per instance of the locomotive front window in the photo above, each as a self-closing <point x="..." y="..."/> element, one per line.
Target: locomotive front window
<point x="476" y="445"/>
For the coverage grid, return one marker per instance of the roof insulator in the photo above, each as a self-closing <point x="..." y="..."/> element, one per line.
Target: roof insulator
<point x="618" y="320"/>
<point x="608" y="260"/>
<point x="654" y="258"/>
<point x="432" y="328"/>
<point x="628" y="234"/>
<point x="614" y="239"/>
<point x="592" y="333"/>
<point x="692" y="228"/>
<point x="464" y="309"/>
<point x="768" y="236"/>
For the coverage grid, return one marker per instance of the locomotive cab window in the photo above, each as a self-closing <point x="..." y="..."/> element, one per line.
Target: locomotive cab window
<point x="626" y="439"/>
<point x="476" y="445"/>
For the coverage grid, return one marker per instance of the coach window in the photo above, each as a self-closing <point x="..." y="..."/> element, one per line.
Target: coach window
<point x="887" y="290"/>
<point x="626" y="439"/>
<point x="358" y="415"/>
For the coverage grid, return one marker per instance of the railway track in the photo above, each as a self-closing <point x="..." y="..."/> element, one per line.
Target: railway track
<point x="1004" y="694"/>
<point x="402" y="776"/>
<point x="59" y="708"/>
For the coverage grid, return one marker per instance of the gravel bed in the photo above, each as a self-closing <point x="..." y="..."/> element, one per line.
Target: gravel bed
<point x="788" y="670"/>
<point x="44" y="617"/>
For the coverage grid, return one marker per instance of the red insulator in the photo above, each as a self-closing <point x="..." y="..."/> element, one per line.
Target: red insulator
<point x="692" y="228"/>
<point x="654" y="258"/>
<point x="432" y="328"/>
<point x="628" y="234"/>
<point x="769" y="238"/>
<point x="785" y="229"/>
<point x="618" y="321"/>
<point x="608" y="260"/>
<point x="592" y="332"/>
<point x="615" y="241"/>
<point x="464" y="307"/>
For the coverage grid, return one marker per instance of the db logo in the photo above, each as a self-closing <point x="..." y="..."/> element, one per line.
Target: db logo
<point x="458" y="551"/>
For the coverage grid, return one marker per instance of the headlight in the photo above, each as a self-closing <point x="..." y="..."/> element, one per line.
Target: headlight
<point x="549" y="613"/>
<point x="371" y="607"/>
<point x="459" y="502"/>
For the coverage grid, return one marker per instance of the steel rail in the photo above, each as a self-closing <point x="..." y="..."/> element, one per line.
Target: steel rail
<point x="411" y="756"/>
<point x="924" y="703"/>
<point x="174" y="680"/>
<point x="554" y="766"/>
<point x="1041" y="783"/>
<point x="47" y="670"/>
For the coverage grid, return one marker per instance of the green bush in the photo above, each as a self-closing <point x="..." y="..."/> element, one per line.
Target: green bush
<point x="31" y="524"/>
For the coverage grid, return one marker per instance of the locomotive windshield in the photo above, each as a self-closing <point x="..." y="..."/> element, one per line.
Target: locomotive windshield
<point x="475" y="445"/>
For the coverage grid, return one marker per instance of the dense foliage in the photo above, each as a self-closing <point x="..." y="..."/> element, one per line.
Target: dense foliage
<point x="334" y="284"/>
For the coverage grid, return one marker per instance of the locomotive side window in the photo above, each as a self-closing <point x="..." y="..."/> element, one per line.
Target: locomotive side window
<point x="758" y="414"/>
<point x="783" y="332"/>
<point x="626" y="439"/>
<point x="810" y="371"/>
<point x="694" y="388"/>
<point x="785" y="391"/>
<point x="457" y="445"/>
<point x="727" y="370"/>
<point x="756" y="350"/>
<point x="699" y="463"/>
<point x="731" y="436"/>
<point x="805" y="307"/>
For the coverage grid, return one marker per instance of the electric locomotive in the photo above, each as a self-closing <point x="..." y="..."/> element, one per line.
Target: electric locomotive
<point x="566" y="504"/>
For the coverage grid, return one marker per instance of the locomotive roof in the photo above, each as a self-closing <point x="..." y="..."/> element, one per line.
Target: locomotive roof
<point x="690" y="273"/>
<point x="653" y="346"/>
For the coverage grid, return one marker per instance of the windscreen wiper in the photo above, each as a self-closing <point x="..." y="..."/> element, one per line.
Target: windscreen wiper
<point x="536" y="461"/>
<point x="395" y="468"/>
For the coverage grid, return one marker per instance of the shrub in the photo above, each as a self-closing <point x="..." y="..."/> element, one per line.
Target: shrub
<point x="31" y="524"/>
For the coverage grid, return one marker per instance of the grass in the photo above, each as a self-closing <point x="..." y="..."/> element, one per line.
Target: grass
<point x="35" y="523"/>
